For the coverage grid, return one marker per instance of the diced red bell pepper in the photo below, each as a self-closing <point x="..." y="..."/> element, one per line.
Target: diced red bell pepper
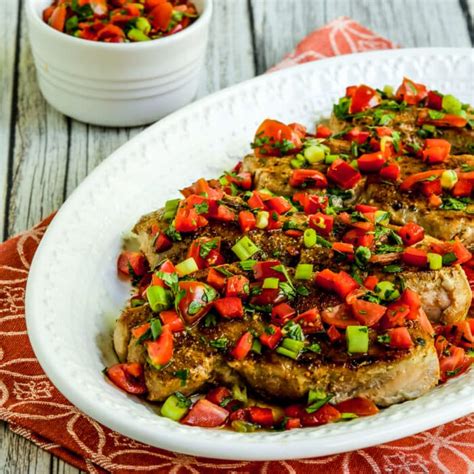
<point x="447" y="120"/>
<point x="434" y="100"/>
<point x="188" y="220"/>
<point x="195" y="249"/>
<point x="292" y="423"/>
<point x="396" y="315"/>
<point x="343" y="247"/>
<point x="322" y="223"/>
<point x="383" y="131"/>
<point x="363" y="98"/>
<point x="278" y="204"/>
<point x="313" y="203"/>
<point x="371" y="162"/>
<point x="162" y="242"/>
<point x="160" y="16"/>
<point x="463" y="188"/>
<point x="430" y="188"/>
<point x="367" y="240"/>
<point x="206" y="414"/>
<point x="160" y="351"/>
<point x="261" y="416"/>
<point x="357" y="135"/>
<point x="409" y="182"/>
<point x="343" y="174"/>
<point x="267" y="296"/>
<point x="333" y="333"/>
<point x="390" y="172"/>
<point x="297" y="410"/>
<point x="326" y="414"/>
<point x="436" y="150"/>
<point x="400" y="338"/>
<point x="308" y="178"/>
<point x="262" y="270"/>
<point x="411" y="233"/>
<point x="229" y="307"/>
<point x="415" y="257"/>
<point x="170" y="318"/>
<point x="223" y="214"/>
<point x="367" y="313"/>
<point x="325" y="279"/>
<point x="255" y="201"/>
<point x="132" y="263"/>
<point x="371" y="282"/>
<point x="282" y="313"/>
<point x="128" y="377"/>
<point x="350" y="90"/>
<point x="138" y="331"/>
<point x="411" y="92"/>
<point x="247" y="221"/>
<point x="274" y="221"/>
<point x="216" y="279"/>
<point x="298" y="128"/>
<point x="365" y="208"/>
<point x="271" y="336"/>
<point x="243" y="346"/>
<point x="359" y="406"/>
<point x="310" y="321"/>
<point x="243" y="180"/>
<point x="461" y="252"/>
<point x="237" y="285"/>
<point x="218" y="395"/>
<point x="352" y="236"/>
<point x="167" y="267"/>
<point x="323" y="132"/>
<point x="342" y="283"/>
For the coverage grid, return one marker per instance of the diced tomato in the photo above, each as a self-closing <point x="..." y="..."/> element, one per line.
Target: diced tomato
<point x="363" y="98"/>
<point x="57" y="19"/>
<point x="411" y="233"/>
<point x="267" y="296"/>
<point x="367" y="240"/>
<point x="162" y="242"/>
<point x="367" y="313"/>
<point x="132" y="263"/>
<point x="352" y="236"/>
<point x="365" y="208"/>
<point x="343" y="174"/>
<point x="415" y="257"/>
<point x="218" y="395"/>
<point x="383" y="131"/>
<point x="138" y="331"/>
<point x="448" y="120"/>
<point x="451" y="360"/>
<point x="237" y="285"/>
<point x="460" y="334"/>
<point x="343" y="247"/>
<point x="411" y="92"/>
<point x="206" y="414"/>
<point x="196" y="300"/>
<point x="292" y="423"/>
<point x="425" y="323"/>
<point x="310" y="321"/>
<point x="272" y="136"/>
<point x="434" y="201"/>
<point x="128" y="377"/>
<point x="294" y="233"/>
<point x="282" y="313"/>
<point x="160" y="16"/>
<point x="344" y="284"/>
<point x="339" y="317"/>
<point x="463" y="188"/>
<point x="371" y="162"/>
<point x="412" y="300"/>
<point x="160" y="351"/>
<point x="196" y="249"/>
<point x="323" y="132"/>
<point x="308" y="178"/>
<point x="359" y="406"/>
<point x="296" y="410"/>
<point x="371" y="282"/>
<point x="247" y="221"/>
<point x="266" y="269"/>
<point x="396" y="315"/>
<point x="229" y="307"/>
<point x="400" y="338"/>
<point x="356" y="135"/>
<point x="390" y="172"/>
<point x="223" y="214"/>
<point x="325" y="279"/>
<point x="274" y="221"/>
<point x="434" y="100"/>
<point x="326" y="414"/>
<point x="216" y="279"/>
<point x="463" y="255"/>
<point x="170" y="318"/>
<point x="256" y="201"/>
<point x="261" y="416"/>
<point x="322" y="223"/>
<point x="430" y="188"/>
<point x="333" y="334"/>
<point x="271" y="336"/>
<point x="278" y="204"/>
<point x="188" y="220"/>
<point x="243" y="179"/>
<point x="436" y="150"/>
<point x="243" y="346"/>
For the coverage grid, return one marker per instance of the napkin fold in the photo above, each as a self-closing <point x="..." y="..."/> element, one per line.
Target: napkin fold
<point x="36" y="410"/>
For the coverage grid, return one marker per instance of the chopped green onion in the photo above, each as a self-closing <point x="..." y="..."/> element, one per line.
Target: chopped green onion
<point x="171" y="207"/>
<point x="186" y="267"/>
<point x="348" y="416"/>
<point x="244" y="248"/>
<point x="309" y="238"/>
<point x="357" y="338"/>
<point x="292" y="345"/>
<point x="388" y="91"/>
<point x="247" y="265"/>
<point x="382" y="217"/>
<point x="435" y="261"/>
<point x="298" y="161"/>
<point x="362" y="256"/>
<point x="175" y="406"/>
<point x="159" y="298"/>
<point x="262" y="219"/>
<point x="136" y="35"/>
<point x="271" y="283"/>
<point x="448" y="179"/>
<point x="287" y="353"/>
<point x="386" y="291"/>
<point x="449" y="258"/>
<point x="304" y="271"/>
<point x="257" y="346"/>
<point x="143" y="24"/>
<point x="243" y="426"/>
<point x="239" y="393"/>
<point x="451" y="104"/>
<point x="314" y="154"/>
<point x="329" y="159"/>
<point x="354" y="164"/>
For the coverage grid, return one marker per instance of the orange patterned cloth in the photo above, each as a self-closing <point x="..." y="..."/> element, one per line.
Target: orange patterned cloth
<point x="35" y="409"/>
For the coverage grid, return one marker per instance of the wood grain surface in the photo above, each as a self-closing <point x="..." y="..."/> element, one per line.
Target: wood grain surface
<point x="44" y="155"/>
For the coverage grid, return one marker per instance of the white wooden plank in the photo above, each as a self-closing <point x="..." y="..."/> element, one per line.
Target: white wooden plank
<point x="40" y="150"/>
<point x="281" y="24"/>
<point x="8" y="27"/>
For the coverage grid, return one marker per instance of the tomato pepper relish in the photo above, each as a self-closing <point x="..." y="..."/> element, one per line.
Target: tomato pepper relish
<point x="120" y="21"/>
<point x="294" y="264"/>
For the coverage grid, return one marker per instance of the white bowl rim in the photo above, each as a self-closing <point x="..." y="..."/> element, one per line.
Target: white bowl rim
<point x="201" y="22"/>
<point x="202" y="446"/>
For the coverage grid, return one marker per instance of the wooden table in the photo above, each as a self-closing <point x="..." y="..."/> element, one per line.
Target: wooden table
<point x="45" y="155"/>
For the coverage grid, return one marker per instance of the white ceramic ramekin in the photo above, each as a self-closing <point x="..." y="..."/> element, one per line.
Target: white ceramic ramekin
<point x="125" y="84"/>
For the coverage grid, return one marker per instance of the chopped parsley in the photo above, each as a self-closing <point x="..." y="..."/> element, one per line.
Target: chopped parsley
<point x="183" y="375"/>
